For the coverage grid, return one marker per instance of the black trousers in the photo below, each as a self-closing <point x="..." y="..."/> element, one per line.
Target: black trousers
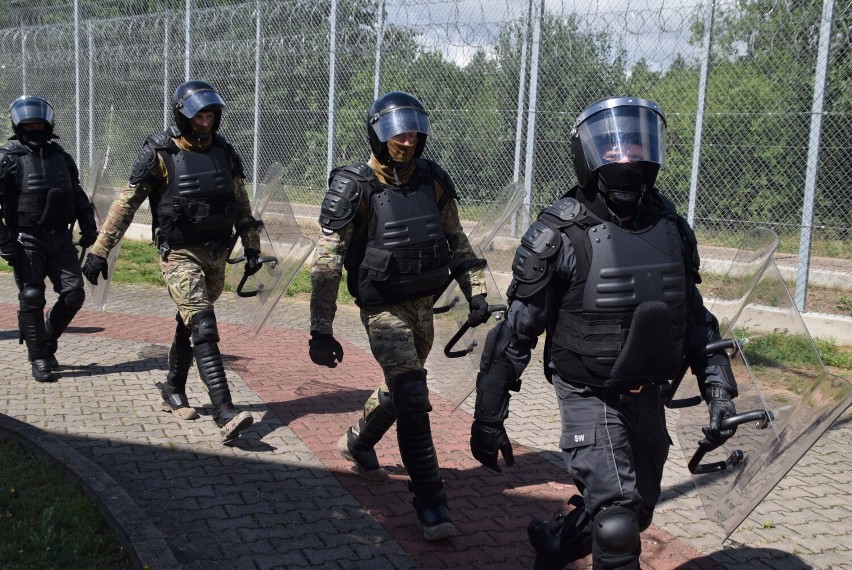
<point x="615" y="445"/>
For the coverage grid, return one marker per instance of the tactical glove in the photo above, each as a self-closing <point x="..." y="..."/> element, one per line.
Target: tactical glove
<point x="253" y="263"/>
<point x="325" y="350"/>
<point x="9" y="252"/>
<point x="95" y="264"/>
<point x="720" y="406"/>
<point x="478" y="311"/>
<point x="486" y="439"/>
<point x="87" y="240"/>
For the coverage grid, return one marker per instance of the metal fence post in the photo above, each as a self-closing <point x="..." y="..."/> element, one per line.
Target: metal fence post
<point x="380" y="36"/>
<point x="332" y="84"/>
<point x="255" y="141"/>
<point x="533" y="101"/>
<point x="187" y="40"/>
<point x="806" y="235"/>
<point x="77" y="124"/>
<point x="706" y="44"/>
<point x="167" y="23"/>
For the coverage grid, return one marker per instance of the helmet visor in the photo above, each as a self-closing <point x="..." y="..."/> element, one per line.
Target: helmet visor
<point x="31" y="110"/>
<point x="623" y="134"/>
<point x="195" y="101"/>
<point x="401" y="120"/>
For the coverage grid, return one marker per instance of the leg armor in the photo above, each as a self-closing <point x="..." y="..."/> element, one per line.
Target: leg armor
<point x="358" y="443"/>
<point x="180" y="361"/>
<point x="58" y="319"/>
<point x="563" y="539"/>
<point x="205" y="336"/>
<point x="414" y="436"/>
<point x="31" y="323"/>
<point x="616" y="544"/>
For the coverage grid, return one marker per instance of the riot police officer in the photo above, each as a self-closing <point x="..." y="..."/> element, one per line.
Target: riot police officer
<point x="41" y="200"/>
<point x="193" y="180"/>
<point x="393" y="224"/>
<point x="609" y="271"/>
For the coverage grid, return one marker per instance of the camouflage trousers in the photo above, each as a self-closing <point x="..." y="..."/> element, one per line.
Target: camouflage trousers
<point x="401" y="337"/>
<point x="195" y="278"/>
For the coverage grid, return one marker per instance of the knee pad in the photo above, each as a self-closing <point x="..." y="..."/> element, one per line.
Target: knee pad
<point x="410" y="393"/>
<point x="32" y="298"/>
<point x="616" y="541"/>
<point x="204" y="329"/>
<point x="73" y="300"/>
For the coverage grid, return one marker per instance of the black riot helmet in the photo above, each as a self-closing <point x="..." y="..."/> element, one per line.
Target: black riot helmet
<point x="394" y="113"/>
<point x="618" y="146"/>
<point x="190" y="98"/>
<point x="31" y="109"/>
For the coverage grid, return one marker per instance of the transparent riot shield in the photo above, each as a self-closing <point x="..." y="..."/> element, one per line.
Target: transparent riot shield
<point x="490" y="240"/>
<point x="102" y="196"/>
<point x="786" y="401"/>
<point x="283" y="250"/>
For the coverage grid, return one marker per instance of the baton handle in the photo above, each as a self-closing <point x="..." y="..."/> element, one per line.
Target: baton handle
<point x="448" y="350"/>
<point x="762" y="417"/>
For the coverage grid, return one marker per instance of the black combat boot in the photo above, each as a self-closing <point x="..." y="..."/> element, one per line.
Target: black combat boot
<point x="562" y="539"/>
<point x="57" y="320"/>
<point x="173" y="389"/>
<point x="358" y="443"/>
<point x="32" y="329"/>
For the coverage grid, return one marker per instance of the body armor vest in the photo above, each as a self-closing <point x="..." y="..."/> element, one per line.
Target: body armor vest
<point x="622" y="321"/>
<point x="197" y="207"/>
<point x="404" y="254"/>
<point x="46" y="194"/>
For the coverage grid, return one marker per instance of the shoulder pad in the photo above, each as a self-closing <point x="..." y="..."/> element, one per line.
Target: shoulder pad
<point x="564" y="211"/>
<point x="146" y="161"/>
<point x="346" y="186"/>
<point x="14" y="147"/>
<point x="687" y="235"/>
<point x="533" y="264"/>
<point x="236" y="161"/>
<point x="8" y="164"/>
<point x="442" y="177"/>
<point x="161" y="141"/>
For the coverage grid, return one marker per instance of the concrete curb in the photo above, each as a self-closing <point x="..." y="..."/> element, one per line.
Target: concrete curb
<point x="143" y="543"/>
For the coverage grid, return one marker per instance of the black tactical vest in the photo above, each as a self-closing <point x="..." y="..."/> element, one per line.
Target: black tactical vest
<point x="46" y="194"/>
<point x="404" y="254"/>
<point x="622" y="321"/>
<point x="197" y="207"/>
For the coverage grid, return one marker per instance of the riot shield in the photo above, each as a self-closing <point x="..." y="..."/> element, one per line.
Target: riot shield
<point x="283" y="250"/>
<point x="490" y="240"/>
<point x="786" y="401"/>
<point x="102" y="196"/>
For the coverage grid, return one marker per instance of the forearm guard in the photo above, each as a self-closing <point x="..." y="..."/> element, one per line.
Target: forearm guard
<point x="497" y="376"/>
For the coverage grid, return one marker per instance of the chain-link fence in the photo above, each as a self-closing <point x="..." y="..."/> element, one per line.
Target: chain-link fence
<point x="757" y="93"/>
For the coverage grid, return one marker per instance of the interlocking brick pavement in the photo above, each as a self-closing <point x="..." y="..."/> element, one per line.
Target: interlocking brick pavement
<point x="280" y="497"/>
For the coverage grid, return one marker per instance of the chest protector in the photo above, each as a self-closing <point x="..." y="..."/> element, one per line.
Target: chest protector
<point x="404" y="254"/>
<point x="45" y="191"/>
<point x="622" y="322"/>
<point x="197" y="207"/>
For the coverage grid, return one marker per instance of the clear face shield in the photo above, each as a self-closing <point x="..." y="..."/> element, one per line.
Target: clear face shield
<point x="400" y="120"/>
<point x="31" y="110"/>
<point x="195" y="101"/>
<point x="622" y="134"/>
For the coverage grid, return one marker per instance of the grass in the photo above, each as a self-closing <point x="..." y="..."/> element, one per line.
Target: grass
<point x="47" y="521"/>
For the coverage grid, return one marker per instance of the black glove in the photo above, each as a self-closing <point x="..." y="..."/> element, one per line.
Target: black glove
<point x="486" y="439"/>
<point x="325" y="350"/>
<point x="87" y="240"/>
<point x="720" y="406"/>
<point x="253" y="263"/>
<point x="9" y="252"/>
<point x="95" y="264"/>
<point x="478" y="311"/>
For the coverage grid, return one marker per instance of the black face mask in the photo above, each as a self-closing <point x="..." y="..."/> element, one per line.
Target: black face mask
<point x="36" y="138"/>
<point x="624" y="184"/>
